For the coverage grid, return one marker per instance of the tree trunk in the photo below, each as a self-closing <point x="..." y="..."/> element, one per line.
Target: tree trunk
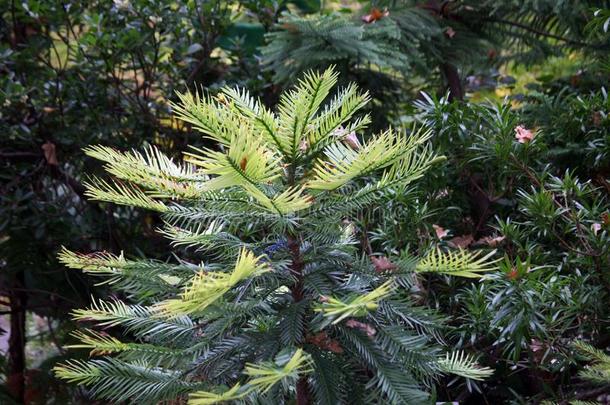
<point x="303" y="391"/>
<point x="16" y="349"/>
<point x="454" y="83"/>
<point x="296" y="268"/>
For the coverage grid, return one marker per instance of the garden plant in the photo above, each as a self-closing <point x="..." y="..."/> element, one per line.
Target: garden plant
<point x="284" y="304"/>
<point x="302" y="201"/>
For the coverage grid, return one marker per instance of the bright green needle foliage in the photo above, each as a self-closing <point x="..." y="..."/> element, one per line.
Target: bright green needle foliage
<point x="151" y="169"/>
<point x="461" y="263"/>
<point x="209" y="286"/>
<point x="264" y="376"/>
<point x="342" y="163"/>
<point x="459" y="363"/>
<point x="101" y="262"/>
<point x="282" y="305"/>
<point x="98" y="343"/>
<point x="358" y="306"/>
<point x="246" y="162"/>
<point x="120" y="193"/>
<point x="208" y="398"/>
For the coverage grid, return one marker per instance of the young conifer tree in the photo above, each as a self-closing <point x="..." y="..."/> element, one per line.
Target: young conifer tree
<point x="285" y="307"/>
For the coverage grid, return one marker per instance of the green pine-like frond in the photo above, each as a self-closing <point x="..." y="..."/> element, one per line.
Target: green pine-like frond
<point x="397" y="177"/>
<point x="464" y="365"/>
<point x="299" y="43"/>
<point x="297" y="107"/>
<point x="391" y="383"/>
<point x="138" y="277"/>
<point x="142" y="321"/>
<point x="262" y="118"/>
<point x="337" y="310"/>
<point x="338" y="111"/>
<point x="291" y="200"/>
<point x="247" y="161"/>
<point x="208" y="115"/>
<point x="152" y="170"/>
<point x="204" y="236"/>
<point x="209" y="286"/>
<point x="231" y="205"/>
<point x="122" y="194"/>
<point x="408" y="169"/>
<point x="598" y="372"/>
<point x="342" y="163"/>
<point x="461" y="263"/>
<point x="99" y="343"/>
<point x="99" y="262"/>
<point x="412" y="349"/>
<point x="328" y="379"/>
<point x="590" y="352"/>
<point x="118" y="381"/>
<point x="246" y="212"/>
<point x="264" y="376"/>
<point x="222" y="353"/>
<point x="421" y="320"/>
<point x="292" y="324"/>
<point x="103" y="344"/>
<point x="210" y="398"/>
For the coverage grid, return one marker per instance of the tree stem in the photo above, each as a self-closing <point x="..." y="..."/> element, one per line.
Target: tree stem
<point x="454" y="83"/>
<point x="303" y="391"/>
<point x="16" y="341"/>
<point x="296" y="268"/>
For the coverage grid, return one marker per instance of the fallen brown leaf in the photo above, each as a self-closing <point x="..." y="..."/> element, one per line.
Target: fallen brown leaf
<point x="440" y="231"/>
<point x="382" y="264"/>
<point x="364" y="327"/>
<point x="49" y="153"/>
<point x="461" y="242"/>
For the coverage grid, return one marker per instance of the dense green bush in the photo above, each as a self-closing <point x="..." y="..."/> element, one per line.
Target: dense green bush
<point x="519" y="190"/>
